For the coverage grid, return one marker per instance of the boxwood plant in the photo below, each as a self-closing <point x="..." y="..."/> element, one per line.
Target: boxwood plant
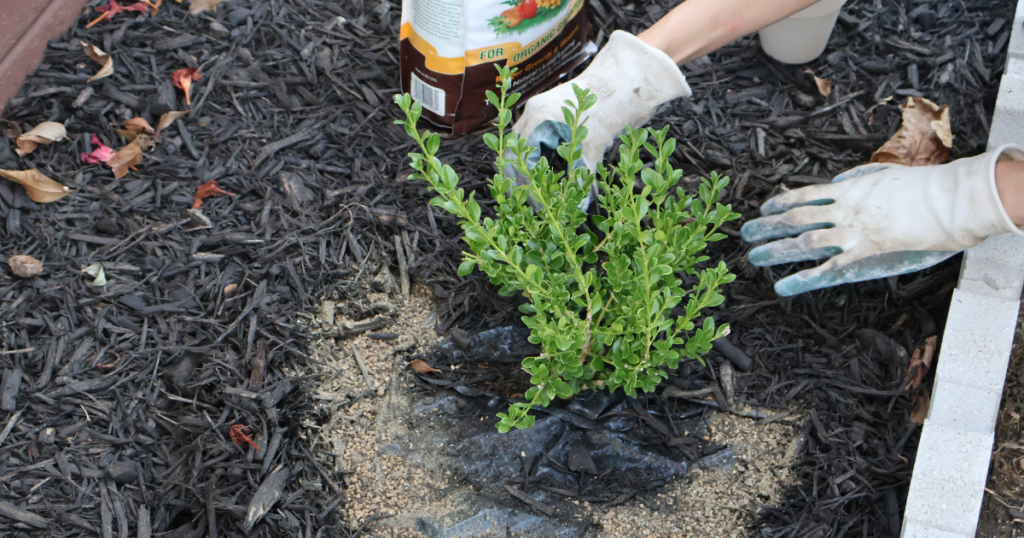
<point x="606" y="303"/>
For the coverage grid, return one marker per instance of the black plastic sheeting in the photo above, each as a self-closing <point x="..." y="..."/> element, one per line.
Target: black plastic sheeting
<point x="598" y="447"/>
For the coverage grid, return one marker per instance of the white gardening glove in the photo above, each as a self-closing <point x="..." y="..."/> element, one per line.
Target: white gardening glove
<point x="630" y="79"/>
<point x="881" y="220"/>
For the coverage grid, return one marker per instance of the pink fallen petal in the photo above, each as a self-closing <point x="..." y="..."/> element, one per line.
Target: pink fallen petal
<point x="99" y="155"/>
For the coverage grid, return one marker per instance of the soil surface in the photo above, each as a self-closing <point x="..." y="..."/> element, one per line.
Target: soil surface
<point x="1002" y="513"/>
<point x="400" y="453"/>
<point x="122" y="402"/>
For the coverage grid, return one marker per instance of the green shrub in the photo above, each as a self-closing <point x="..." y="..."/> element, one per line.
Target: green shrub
<point x="602" y="290"/>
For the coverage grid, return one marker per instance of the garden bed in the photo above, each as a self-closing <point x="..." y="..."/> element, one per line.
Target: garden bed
<point x="293" y="116"/>
<point x="1002" y="514"/>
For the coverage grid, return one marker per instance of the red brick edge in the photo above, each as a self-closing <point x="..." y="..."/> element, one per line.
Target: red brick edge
<point x="26" y="53"/>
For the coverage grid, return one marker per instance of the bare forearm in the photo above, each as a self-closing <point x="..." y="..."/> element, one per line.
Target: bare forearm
<point x="1010" y="184"/>
<point x="697" y="27"/>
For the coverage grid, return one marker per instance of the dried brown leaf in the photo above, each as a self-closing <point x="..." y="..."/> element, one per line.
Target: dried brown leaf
<point x="128" y="135"/>
<point x="139" y="126"/>
<point x="11" y="129"/>
<point x="207" y="190"/>
<point x="920" y="411"/>
<point x="125" y="158"/>
<point x="145" y="142"/>
<point x="166" y="120"/>
<point x="25" y="266"/>
<point x="422" y="367"/>
<point x="42" y="134"/>
<point x="824" y="85"/>
<point x="198" y="6"/>
<point x="99" y="57"/>
<point x="924" y="138"/>
<point x="922" y="360"/>
<point x="39" y="187"/>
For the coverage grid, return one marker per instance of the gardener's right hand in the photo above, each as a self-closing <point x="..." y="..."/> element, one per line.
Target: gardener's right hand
<point x="630" y="79"/>
<point x="881" y="220"/>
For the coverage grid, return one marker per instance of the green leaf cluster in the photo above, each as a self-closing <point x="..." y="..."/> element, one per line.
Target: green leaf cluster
<point x="606" y="304"/>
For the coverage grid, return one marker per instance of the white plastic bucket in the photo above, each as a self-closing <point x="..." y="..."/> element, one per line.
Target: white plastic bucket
<point x="802" y="36"/>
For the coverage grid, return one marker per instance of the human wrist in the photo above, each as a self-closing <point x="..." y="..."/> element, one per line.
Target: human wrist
<point x="1009" y="176"/>
<point x="678" y="44"/>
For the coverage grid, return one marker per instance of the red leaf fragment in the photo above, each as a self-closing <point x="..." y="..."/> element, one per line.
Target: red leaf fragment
<point x="239" y="434"/>
<point x="99" y="155"/>
<point x="182" y="79"/>
<point x="421" y="367"/>
<point x="113" y="8"/>
<point x="206" y="190"/>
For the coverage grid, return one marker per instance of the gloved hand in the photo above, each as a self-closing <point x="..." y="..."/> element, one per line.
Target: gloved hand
<point x="881" y="220"/>
<point x="630" y="79"/>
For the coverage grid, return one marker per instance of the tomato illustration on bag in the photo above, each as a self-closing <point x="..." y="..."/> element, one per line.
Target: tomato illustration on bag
<point x="527" y="9"/>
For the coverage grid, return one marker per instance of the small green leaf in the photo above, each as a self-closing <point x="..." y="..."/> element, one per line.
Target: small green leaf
<point x="492" y="141"/>
<point x="433" y="144"/>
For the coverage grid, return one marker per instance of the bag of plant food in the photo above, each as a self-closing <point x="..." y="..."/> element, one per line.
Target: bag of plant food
<point x="450" y="47"/>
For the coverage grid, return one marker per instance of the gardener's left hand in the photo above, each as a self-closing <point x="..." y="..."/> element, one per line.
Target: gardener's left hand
<point x="881" y="220"/>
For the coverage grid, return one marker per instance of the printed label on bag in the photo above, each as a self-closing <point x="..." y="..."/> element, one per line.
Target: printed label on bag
<point x="432" y="98"/>
<point x="449" y="49"/>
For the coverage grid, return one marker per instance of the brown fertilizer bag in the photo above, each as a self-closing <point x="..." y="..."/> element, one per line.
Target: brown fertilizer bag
<point x="450" y="47"/>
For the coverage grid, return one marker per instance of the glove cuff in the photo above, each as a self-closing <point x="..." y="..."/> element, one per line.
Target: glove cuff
<point x="632" y="78"/>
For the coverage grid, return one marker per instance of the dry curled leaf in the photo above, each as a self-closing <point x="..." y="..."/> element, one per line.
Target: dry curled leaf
<point x="126" y="134"/>
<point x="99" y="275"/>
<point x="145" y="142"/>
<point x="166" y="120"/>
<point x="198" y="6"/>
<point x="99" y="57"/>
<point x="920" y="411"/>
<point x="40" y="188"/>
<point x="42" y="134"/>
<point x="207" y="190"/>
<point x="139" y="126"/>
<point x="11" y="129"/>
<point x="422" y="367"/>
<point x="25" y="266"/>
<point x="922" y="361"/>
<point x="924" y="138"/>
<point x="824" y="85"/>
<point x="182" y="79"/>
<point x="125" y="158"/>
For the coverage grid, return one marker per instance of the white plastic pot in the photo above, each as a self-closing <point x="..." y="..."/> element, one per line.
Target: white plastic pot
<point x="802" y="36"/>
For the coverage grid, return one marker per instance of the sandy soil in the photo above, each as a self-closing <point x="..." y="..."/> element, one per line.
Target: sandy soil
<point x="394" y="445"/>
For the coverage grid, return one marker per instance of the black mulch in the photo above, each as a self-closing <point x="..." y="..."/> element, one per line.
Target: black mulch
<point x="121" y="420"/>
<point x="837" y="358"/>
